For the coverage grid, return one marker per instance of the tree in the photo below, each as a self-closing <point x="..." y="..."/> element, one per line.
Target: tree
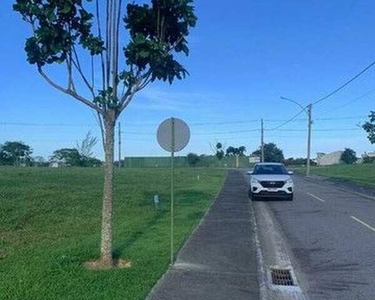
<point x="70" y="157"/>
<point x="91" y="162"/>
<point x="369" y="127"/>
<point x="192" y="159"/>
<point x="85" y="148"/>
<point x="3" y="158"/>
<point x="15" y="153"/>
<point x="232" y="151"/>
<point x="63" y="31"/>
<point x="271" y="153"/>
<point x="219" y="151"/>
<point x="241" y="150"/>
<point x="349" y="156"/>
<point x="297" y="162"/>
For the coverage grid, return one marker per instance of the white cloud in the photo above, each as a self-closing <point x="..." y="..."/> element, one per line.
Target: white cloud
<point x="158" y="99"/>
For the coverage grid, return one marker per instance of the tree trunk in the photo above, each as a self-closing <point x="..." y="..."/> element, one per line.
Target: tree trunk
<point x="106" y="241"/>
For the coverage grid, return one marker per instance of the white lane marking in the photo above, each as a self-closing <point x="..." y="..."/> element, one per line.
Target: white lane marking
<point x="363" y="223"/>
<point x="316" y="197"/>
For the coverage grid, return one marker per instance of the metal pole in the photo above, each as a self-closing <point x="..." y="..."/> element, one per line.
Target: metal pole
<point x="262" y="140"/>
<point x="309" y="107"/>
<point x="172" y="187"/>
<point x="119" y="144"/>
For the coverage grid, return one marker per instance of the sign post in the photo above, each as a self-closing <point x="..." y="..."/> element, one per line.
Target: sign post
<point x="173" y="135"/>
<point x="172" y="187"/>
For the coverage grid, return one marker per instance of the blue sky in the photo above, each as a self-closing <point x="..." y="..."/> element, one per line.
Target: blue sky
<point x="244" y="55"/>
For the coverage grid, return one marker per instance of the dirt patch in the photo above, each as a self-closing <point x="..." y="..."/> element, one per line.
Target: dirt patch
<point x="98" y="265"/>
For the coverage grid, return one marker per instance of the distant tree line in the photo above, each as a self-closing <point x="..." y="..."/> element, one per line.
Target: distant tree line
<point x="16" y="153"/>
<point x="297" y="162"/>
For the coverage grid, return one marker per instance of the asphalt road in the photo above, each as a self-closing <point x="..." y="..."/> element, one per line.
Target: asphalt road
<point x="331" y="235"/>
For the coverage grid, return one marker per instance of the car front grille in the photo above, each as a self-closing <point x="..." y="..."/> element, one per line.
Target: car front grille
<point x="272" y="184"/>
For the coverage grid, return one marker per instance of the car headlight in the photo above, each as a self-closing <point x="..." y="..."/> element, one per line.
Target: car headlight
<point x="253" y="180"/>
<point x="289" y="181"/>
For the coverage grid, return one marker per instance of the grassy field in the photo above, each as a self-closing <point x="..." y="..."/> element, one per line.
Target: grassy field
<point x="50" y="225"/>
<point x="363" y="174"/>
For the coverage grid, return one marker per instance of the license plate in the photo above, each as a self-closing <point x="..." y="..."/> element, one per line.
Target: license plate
<point x="272" y="189"/>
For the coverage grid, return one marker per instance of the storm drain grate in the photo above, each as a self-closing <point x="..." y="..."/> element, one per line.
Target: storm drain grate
<point x="281" y="277"/>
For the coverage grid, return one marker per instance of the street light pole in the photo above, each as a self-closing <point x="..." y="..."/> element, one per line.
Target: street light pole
<point x="308" y="112"/>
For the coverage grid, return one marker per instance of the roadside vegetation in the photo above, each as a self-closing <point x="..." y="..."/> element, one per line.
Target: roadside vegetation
<point x="50" y="222"/>
<point x="362" y="174"/>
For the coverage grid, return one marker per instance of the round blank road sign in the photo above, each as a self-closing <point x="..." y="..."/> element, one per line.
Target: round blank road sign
<point x="181" y="135"/>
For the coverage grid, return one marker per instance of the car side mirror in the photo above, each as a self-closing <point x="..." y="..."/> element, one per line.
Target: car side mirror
<point x="290" y="172"/>
<point x="250" y="172"/>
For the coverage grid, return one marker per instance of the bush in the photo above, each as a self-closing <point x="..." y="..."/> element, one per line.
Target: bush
<point x="369" y="160"/>
<point x="349" y="156"/>
<point x="193" y="159"/>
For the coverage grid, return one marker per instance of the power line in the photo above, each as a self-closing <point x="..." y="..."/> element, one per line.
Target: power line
<point x="341" y="118"/>
<point x="191" y="124"/>
<point x="332" y="129"/>
<point x="227" y="132"/>
<point x="345" y="84"/>
<point x="47" y="125"/>
<point x="225" y="122"/>
<point x="288" y="121"/>
<point x="350" y="102"/>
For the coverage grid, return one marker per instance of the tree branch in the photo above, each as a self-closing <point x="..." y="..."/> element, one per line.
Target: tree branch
<point x="115" y="31"/>
<point x="70" y="75"/>
<point x="99" y="119"/>
<point x="108" y="38"/>
<point x="100" y="36"/>
<point x="92" y="72"/>
<point x="146" y="81"/>
<point x="142" y="82"/>
<point x="175" y="45"/>
<point x="77" y="65"/>
<point x="68" y="91"/>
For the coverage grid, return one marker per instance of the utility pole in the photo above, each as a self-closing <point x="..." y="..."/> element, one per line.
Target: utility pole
<point x="119" y="144"/>
<point x="262" y="140"/>
<point x="309" y="107"/>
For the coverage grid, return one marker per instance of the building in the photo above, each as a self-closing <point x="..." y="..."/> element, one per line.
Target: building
<point x="57" y="163"/>
<point x="369" y="154"/>
<point x="365" y="156"/>
<point x="253" y="159"/>
<point x="333" y="158"/>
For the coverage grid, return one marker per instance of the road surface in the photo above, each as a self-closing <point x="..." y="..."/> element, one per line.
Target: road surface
<point x="331" y="236"/>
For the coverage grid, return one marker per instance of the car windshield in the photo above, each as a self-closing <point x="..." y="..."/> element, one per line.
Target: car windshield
<point x="270" y="169"/>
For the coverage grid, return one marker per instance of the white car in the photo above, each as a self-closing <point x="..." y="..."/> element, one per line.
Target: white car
<point x="271" y="180"/>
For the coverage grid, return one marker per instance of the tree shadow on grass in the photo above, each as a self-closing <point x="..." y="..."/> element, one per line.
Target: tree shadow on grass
<point x="187" y="197"/>
<point x="135" y="236"/>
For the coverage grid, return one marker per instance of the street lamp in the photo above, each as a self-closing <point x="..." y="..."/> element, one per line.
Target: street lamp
<point x="307" y="110"/>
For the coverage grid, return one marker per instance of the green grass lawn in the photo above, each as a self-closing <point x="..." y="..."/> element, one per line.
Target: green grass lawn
<point x="363" y="174"/>
<point x="50" y="223"/>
